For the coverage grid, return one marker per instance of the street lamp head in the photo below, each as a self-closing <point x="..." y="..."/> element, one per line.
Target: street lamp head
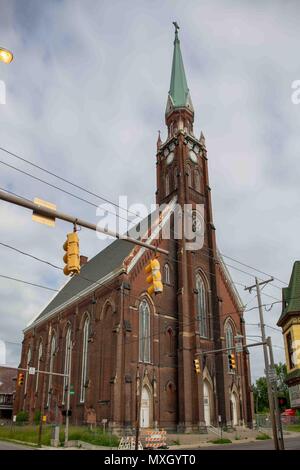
<point x="5" y="55"/>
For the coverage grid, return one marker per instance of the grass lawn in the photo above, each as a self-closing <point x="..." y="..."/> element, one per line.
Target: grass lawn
<point x="29" y="433"/>
<point x="294" y="427"/>
<point x="262" y="437"/>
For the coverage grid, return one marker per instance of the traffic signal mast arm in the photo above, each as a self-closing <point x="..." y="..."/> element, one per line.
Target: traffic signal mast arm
<point x="20" y="201"/>
<point x="229" y="349"/>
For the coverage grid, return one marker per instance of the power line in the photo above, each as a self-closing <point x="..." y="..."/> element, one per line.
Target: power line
<point x="109" y="201"/>
<point x="68" y="181"/>
<point x="29" y="283"/>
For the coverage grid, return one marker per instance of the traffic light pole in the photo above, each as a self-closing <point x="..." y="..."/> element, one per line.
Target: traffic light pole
<point x="274" y="421"/>
<point x="53" y="214"/>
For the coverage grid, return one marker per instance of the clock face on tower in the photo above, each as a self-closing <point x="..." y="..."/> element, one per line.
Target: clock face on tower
<point x="193" y="156"/>
<point x="170" y="158"/>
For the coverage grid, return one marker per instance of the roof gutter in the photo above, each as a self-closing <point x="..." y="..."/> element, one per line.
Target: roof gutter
<point x="75" y="298"/>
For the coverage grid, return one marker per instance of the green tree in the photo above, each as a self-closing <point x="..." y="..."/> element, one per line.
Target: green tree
<point x="260" y="391"/>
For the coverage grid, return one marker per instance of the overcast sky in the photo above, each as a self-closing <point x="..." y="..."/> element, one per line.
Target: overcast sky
<point x="86" y="94"/>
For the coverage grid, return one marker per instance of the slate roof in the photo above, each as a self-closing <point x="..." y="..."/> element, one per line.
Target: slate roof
<point x="7" y="384"/>
<point x="102" y="264"/>
<point x="291" y="294"/>
<point x="99" y="266"/>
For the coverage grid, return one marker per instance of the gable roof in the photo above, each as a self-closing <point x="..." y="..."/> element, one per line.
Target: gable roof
<point x="95" y="272"/>
<point x="291" y="294"/>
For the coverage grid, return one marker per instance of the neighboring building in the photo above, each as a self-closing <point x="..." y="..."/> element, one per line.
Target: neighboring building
<point x="8" y="377"/>
<point x="289" y="321"/>
<point x="128" y="344"/>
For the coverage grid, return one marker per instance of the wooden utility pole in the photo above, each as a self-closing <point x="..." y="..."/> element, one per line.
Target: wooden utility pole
<point x="274" y="420"/>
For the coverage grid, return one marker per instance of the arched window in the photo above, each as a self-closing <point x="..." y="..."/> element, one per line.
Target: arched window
<point x="229" y="335"/>
<point x="166" y="274"/>
<point x="144" y="331"/>
<point x="40" y="353"/>
<point x="52" y="356"/>
<point x="175" y="177"/>
<point x="167" y="184"/>
<point x="68" y="352"/>
<point x="170" y="343"/>
<point x="197" y="180"/>
<point x="229" y="338"/>
<point x="202" y="306"/>
<point x="84" y="364"/>
<point x="188" y="176"/>
<point x="27" y="366"/>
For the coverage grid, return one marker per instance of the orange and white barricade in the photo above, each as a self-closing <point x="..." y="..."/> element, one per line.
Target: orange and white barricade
<point x="154" y="439"/>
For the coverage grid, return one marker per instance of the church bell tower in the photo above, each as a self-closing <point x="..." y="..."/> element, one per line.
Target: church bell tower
<point x="182" y="174"/>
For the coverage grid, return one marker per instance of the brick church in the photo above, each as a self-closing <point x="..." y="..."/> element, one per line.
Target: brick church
<point x="132" y="354"/>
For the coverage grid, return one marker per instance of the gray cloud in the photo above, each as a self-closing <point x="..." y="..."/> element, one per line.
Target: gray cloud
<point x="86" y="95"/>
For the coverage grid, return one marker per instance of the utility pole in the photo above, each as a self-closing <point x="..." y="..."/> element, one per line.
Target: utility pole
<point x="274" y="421"/>
<point x="275" y="394"/>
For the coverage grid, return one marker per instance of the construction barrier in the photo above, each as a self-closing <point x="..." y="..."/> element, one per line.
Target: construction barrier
<point x="154" y="439"/>
<point x="128" y="443"/>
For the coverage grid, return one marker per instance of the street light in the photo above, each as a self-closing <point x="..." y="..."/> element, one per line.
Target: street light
<point x="5" y="55"/>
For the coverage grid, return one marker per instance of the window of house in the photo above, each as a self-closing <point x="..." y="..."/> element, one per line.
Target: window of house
<point x="52" y="356"/>
<point x="167" y="274"/>
<point x="84" y="366"/>
<point x="229" y="338"/>
<point x="27" y="366"/>
<point x="40" y="353"/>
<point x="188" y="176"/>
<point x="167" y="184"/>
<point x="175" y="178"/>
<point x="202" y="315"/>
<point x="144" y="331"/>
<point x="290" y="350"/>
<point x="197" y="180"/>
<point x="66" y="364"/>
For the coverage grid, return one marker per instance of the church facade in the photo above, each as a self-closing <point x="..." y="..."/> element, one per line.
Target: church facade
<point x="130" y="355"/>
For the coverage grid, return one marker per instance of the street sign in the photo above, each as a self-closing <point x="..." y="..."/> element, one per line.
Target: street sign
<point x="239" y="347"/>
<point x="272" y="375"/>
<point x="31" y="371"/>
<point x="43" y="219"/>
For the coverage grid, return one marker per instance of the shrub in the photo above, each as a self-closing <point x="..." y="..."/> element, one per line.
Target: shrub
<point x="37" y="417"/>
<point x="22" y="417"/>
<point x="262" y="437"/>
<point x="221" y="441"/>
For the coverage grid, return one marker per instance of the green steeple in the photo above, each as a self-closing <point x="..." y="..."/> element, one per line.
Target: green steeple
<point x="179" y="95"/>
<point x="291" y="294"/>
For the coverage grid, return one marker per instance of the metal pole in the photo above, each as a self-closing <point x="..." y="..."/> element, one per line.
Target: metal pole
<point x="38" y="209"/>
<point x="68" y="395"/>
<point x="266" y="358"/>
<point x="275" y="395"/>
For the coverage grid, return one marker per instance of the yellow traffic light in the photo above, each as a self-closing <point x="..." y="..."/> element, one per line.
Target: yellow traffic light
<point x="71" y="258"/>
<point x="154" y="278"/>
<point x="231" y="361"/>
<point x="21" y="379"/>
<point x="197" y="366"/>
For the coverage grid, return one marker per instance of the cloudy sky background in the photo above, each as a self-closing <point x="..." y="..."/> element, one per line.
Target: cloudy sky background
<point x="86" y="95"/>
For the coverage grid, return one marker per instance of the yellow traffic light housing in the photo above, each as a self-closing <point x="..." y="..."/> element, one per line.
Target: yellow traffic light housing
<point x="197" y="366"/>
<point x="71" y="258"/>
<point x="154" y="278"/>
<point x="231" y="361"/>
<point x="21" y="379"/>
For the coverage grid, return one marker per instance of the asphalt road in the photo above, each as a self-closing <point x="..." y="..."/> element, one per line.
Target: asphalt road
<point x="12" y="446"/>
<point x="291" y="443"/>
